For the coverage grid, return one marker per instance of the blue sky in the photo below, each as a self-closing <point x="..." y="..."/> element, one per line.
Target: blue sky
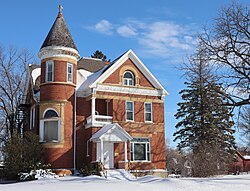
<point x="162" y="33"/>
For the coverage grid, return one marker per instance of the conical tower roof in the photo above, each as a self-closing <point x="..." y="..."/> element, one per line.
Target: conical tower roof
<point x="59" y="34"/>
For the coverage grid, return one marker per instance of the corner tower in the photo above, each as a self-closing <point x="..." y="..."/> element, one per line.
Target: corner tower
<point x="59" y="58"/>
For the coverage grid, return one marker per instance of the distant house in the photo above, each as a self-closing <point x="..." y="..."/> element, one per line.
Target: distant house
<point x="86" y="110"/>
<point x="241" y="163"/>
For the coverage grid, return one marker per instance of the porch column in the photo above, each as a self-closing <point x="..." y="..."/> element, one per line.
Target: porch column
<point x="125" y="152"/>
<point x="93" y="109"/>
<point x="102" y="158"/>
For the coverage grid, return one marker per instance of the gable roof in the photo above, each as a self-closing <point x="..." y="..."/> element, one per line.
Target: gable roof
<point x="105" y="72"/>
<point x="59" y="34"/>
<point x="111" y="132"/>
<point x="91" y="64"/>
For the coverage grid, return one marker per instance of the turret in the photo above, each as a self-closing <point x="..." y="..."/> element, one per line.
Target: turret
<point x="59" y="58"/>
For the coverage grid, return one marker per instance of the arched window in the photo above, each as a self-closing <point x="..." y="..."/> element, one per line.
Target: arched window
<point x="128" y="79"/>
<point x="50" y="113"/>
<point x="50" y="127"/>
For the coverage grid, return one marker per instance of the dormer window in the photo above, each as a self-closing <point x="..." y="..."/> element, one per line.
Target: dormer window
<point x="128" y="79"/>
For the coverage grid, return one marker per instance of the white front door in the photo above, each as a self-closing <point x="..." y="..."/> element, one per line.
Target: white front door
<point x="108" y="155"/>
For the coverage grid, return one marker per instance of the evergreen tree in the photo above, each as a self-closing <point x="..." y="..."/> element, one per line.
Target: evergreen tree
<point x="205" y="126"/>
<point x="22" y="153"/>
<point x="98" y="54"/>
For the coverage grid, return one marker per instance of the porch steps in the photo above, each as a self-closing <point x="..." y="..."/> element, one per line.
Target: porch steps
<point x="119" y="174"/>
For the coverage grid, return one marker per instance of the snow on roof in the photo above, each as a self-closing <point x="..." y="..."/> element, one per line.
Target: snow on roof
<point x="120" y="131"/>
<point x="247" y="157"/>
<point x="82" y="75"/>
<point x="91" y="79"/>
<point x="35" y="74"/>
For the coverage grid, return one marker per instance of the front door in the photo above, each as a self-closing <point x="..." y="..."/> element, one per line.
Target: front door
<point x="108" y="155"/>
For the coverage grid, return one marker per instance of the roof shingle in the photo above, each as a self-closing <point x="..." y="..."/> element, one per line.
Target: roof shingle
<point x="59" y="34"/>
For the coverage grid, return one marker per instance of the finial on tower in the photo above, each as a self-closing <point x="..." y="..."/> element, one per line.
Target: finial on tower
<point x="60" y="7"/>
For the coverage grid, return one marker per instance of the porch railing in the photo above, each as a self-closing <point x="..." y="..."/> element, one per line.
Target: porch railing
<point x="98" y="120"/>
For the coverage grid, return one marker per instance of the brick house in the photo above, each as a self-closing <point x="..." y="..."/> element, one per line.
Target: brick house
<point x="241" y="163"/>
<point x="88" y="110"/>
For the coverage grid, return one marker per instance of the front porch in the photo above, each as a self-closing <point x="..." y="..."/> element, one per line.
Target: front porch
<point x="105" y="139"/>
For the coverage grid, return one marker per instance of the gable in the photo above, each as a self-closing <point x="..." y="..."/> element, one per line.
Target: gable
<point x="117" y="76"/>
<point x="136" y="61"/>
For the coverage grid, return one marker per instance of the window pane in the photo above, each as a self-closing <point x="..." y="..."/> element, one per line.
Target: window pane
<point x="148" y="107"/>
<point x="129" y="106"/>
<point x="50" y="113"/>
<point x="128" y="79"/>
<point x="139" y="151"/>
<point x="148" y="117"/>
<point x="130" y="116"/>
<point x="49" y="71"/>
<point x="128" y="75"/>
<point x="50" y="131"/>
<point x="49" y="77"/>
<point x="70" y="72"/>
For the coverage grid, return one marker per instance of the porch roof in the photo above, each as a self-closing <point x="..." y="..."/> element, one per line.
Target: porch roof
<point x="112" y="133"/>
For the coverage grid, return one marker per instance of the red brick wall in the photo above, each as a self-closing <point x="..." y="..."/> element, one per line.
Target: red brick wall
<point x="61" y="157"/>
<point x="56" y="92"/>
<point x="60" y="71"/>
<point x="114" y="78"/>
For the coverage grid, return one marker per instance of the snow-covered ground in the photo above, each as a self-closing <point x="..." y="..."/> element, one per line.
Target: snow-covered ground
<point x="147" y="183"/>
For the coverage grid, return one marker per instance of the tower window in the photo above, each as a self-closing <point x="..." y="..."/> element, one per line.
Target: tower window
<point x="49" y="71"/>
<point x="50" y="127"/>
<point x="70" y="72"/>
<point x="128" y="79"/>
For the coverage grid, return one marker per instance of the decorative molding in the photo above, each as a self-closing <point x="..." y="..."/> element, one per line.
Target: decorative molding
<point x="60" y="83"/>
<point x="138" y="63"/>
<point x="129" y="90"/>
<point x="121" y="97"/>
<point x="58" y="51"/>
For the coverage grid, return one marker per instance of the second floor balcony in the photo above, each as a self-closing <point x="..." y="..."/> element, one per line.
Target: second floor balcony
<point x="98" y="121"/>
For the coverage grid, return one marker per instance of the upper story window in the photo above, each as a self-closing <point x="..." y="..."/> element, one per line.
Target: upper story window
<point x="70" y="72"/>
<point x="148" y="112"/>
<point x="129" y="110"/>
<point x="128" y="79"/>
<point x="49" y="71"/>
<point x="50" y="127"/>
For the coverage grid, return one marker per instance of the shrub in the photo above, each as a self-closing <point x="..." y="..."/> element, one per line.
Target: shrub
<point x="22" y="153"/>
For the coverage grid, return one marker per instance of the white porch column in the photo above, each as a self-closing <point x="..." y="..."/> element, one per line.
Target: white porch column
<point x="93" y="110"/>
<point x="125" y="152"/>
<point x="102" y="158"/>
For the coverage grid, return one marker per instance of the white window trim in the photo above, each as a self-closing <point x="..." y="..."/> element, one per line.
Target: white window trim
<point x="32" y="117"/>
<point x="151" y="105"/>
<point x="42" y="129"/>
<point x="132" y="111"/>
<point x="147" y="145"/>
<point x="46" y="74"/>
<point x="70" y="64"/>
<point x="129" y="79"/>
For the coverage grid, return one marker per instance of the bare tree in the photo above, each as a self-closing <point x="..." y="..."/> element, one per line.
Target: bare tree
<point x="227" y="45"/>
<point x="13" y="68"/>
<point x="244" y="124"/>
